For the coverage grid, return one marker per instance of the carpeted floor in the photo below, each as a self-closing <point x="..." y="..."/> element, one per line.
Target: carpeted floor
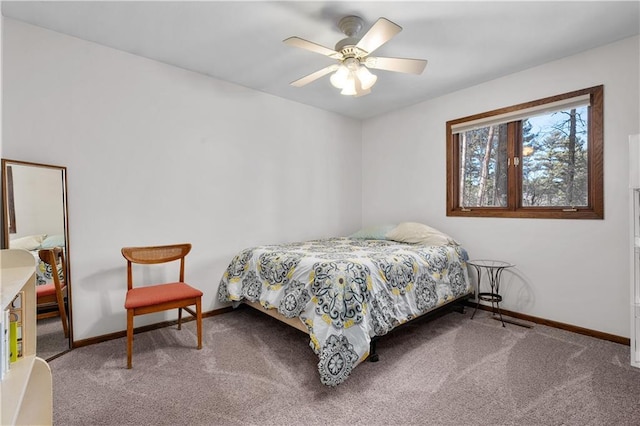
<point x="51" y="340"/>
<point x="255" y="370"/>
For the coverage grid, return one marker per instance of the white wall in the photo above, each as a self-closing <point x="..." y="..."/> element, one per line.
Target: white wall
<point x="156" y="154"/>
<point x="572" y="271"/>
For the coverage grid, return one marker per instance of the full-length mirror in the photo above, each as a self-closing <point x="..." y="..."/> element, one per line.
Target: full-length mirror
<point x="34" y="218"/>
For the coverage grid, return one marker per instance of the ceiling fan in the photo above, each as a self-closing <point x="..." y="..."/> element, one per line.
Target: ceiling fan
<point x="352" y="73"/>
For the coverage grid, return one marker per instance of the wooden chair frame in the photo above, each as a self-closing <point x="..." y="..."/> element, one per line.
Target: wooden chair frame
<point x="51" y="257"/>
<point x="157" y="255"/>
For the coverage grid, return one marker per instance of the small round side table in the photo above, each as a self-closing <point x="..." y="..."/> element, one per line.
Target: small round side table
<point x="493" y="270"/>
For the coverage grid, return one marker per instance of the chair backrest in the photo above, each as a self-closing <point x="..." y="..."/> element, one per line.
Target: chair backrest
<point x="53" y="257"/>
<point x="154" y="255"/>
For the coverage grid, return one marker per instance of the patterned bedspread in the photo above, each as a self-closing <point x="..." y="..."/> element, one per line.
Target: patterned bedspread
<point x="347" y="291"/>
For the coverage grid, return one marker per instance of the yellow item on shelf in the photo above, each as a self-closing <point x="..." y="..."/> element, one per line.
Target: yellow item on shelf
<point x="13" y="341"/>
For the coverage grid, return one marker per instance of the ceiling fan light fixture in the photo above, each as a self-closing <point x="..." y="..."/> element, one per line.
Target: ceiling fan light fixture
<point x="353" y="82"/>
<point x="349" y="88"/>
<point x="339" y="78"/>
<point x="367" y="79"/>
<point x="352" y="78"/>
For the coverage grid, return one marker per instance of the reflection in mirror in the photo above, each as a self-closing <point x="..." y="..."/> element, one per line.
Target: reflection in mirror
<point x="34" y="218"/>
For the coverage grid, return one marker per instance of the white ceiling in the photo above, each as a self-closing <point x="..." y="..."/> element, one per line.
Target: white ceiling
<point x="466" y="43"/>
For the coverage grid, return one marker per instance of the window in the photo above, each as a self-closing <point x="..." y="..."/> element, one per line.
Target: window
<point x="541" y="159"/>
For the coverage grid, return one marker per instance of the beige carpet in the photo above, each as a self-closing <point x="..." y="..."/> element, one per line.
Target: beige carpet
<point x="254" y="370"/>
<point x="50" y="338"/>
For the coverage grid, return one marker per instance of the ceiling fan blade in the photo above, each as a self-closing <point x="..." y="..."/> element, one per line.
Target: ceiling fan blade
<point x="409" y="66"/>
<point x="314" y="76"/>
<point x="380" y="33"/>
<point x="313" y="47"/>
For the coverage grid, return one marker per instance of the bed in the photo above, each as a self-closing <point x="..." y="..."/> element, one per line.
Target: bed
<point x="347" y="291"/>
<point x="33" y="244"/>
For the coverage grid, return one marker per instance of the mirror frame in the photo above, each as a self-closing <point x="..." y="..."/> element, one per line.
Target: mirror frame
<point x="7" y="191"/>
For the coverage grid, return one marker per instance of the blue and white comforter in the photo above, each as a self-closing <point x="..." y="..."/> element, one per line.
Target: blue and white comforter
<point x="347" y="291"/>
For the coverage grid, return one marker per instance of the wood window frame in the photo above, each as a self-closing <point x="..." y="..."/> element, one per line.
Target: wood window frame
<point x="514" y="209"/>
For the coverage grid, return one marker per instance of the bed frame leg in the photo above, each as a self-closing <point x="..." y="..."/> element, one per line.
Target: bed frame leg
<point x="459" y="307"/>
<point x="373" y="355"/>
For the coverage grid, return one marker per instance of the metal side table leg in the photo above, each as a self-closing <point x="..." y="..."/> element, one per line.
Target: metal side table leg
<point x="494" y="282"/>
<point x="477" y="291"/>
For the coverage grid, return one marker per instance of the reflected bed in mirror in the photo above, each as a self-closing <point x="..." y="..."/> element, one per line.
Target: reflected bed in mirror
<point x="34" y="218"/>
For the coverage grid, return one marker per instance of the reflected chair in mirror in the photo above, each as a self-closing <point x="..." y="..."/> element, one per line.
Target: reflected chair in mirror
<point x="163" y="296"/>
<point x="51" y="297"/>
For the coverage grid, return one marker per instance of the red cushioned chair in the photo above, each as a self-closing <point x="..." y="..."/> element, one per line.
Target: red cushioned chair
<point x="159" y="297"/>
<point x="52" y="295"/>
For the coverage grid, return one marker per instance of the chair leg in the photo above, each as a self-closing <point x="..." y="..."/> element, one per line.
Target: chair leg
<point x="179" y="318"/>
<point x="63" y="314"/>
<point x="129" y="336"/>
<point x="199" y="321"/>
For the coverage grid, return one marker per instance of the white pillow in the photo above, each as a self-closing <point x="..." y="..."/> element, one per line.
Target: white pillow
<point x="414" y="233"/>
<point x="30" y="242"/>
